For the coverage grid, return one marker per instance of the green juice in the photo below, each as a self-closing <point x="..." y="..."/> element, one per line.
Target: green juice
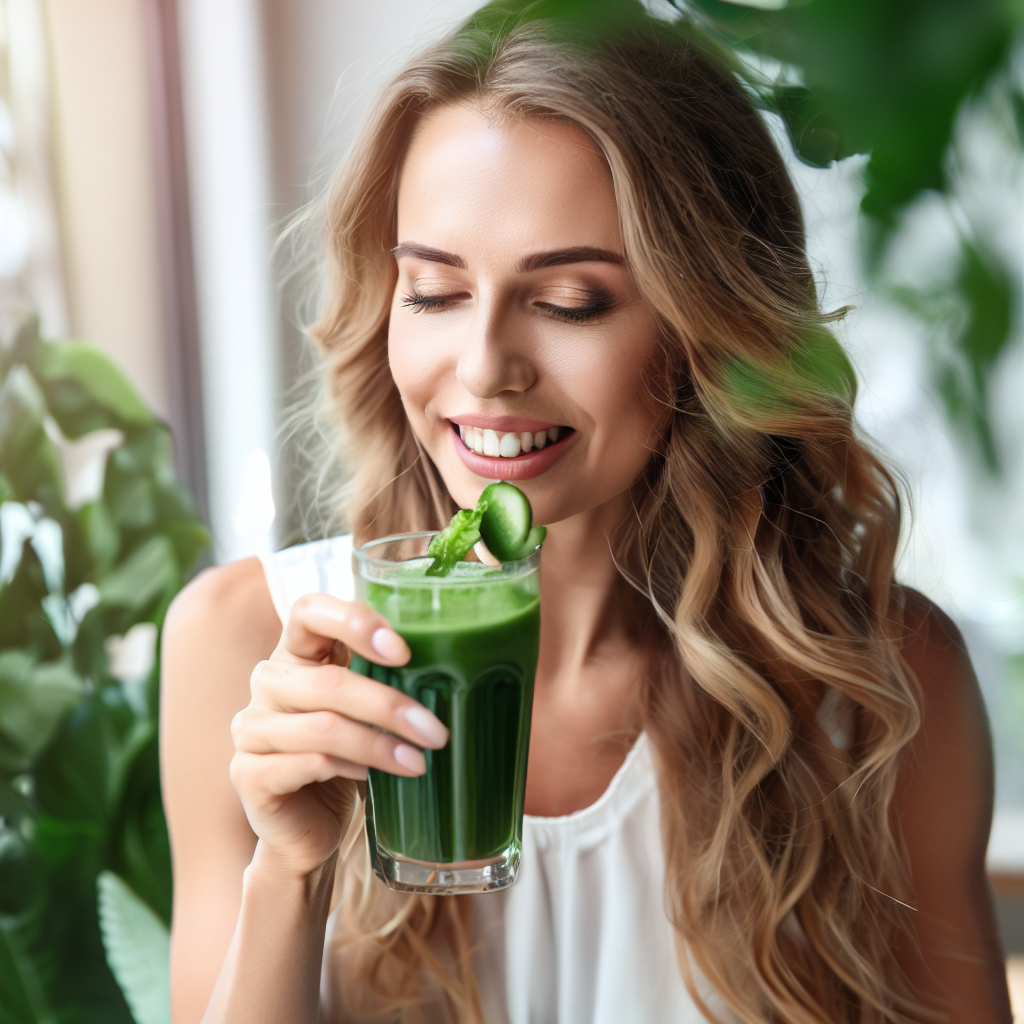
<point x="474" y="640"/>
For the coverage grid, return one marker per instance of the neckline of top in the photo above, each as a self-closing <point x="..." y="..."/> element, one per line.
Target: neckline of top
<point x="631" y="770"/>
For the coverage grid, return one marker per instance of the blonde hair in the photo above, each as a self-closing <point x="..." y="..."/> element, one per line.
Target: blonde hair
<point x="763" y="535"/>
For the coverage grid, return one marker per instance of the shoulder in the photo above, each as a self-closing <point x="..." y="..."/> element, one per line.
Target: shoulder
<point x="232" y="600"/>
<point x="931" y="639"/>
<point x="934" y="650"/>
<point x="217" y="630"/>
<point x="943" y="803"/>
<point x="949" y="771"/>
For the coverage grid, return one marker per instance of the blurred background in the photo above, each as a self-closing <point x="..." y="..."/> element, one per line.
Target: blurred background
<point x="151" y="152"/>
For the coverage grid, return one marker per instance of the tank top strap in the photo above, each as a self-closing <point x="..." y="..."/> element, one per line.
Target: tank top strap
<point x="319" y="567"/>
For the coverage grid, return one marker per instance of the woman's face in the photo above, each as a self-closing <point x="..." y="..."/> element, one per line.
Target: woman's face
<point x="517" y="338"/>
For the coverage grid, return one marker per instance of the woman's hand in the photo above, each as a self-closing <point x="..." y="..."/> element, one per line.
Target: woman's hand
<point x="312" y="726"/>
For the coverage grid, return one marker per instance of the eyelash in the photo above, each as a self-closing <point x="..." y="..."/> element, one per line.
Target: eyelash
<point x="601" y="303"/>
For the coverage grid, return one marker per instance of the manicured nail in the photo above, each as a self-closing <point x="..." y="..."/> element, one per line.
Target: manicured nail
<point x="433" y="731"/>
<point x="388" y="644"/>
<point x="410" y="757"/>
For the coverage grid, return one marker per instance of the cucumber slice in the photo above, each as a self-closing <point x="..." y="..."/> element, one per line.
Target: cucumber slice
<point x="506" y="521"/>
<point x="534" y="539"/>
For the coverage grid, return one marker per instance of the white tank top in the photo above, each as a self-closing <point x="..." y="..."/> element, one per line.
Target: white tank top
<point x="582" y="936"/>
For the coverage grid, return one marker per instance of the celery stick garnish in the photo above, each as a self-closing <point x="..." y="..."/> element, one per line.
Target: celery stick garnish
<point x="454" y="542"/>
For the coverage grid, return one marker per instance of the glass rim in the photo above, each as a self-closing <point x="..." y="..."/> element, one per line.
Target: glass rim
<point x="499" y="573"/>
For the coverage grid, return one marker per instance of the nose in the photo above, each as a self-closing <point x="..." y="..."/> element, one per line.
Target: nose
<point x="491" y="362"/>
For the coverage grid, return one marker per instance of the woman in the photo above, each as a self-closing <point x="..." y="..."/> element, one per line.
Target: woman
<point x="759" y="782"/>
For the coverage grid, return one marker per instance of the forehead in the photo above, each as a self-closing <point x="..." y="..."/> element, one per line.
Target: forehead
<point x="483" y="187"/>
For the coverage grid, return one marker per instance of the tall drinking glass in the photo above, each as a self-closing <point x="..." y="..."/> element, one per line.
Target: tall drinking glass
<point x="474" y="638"/>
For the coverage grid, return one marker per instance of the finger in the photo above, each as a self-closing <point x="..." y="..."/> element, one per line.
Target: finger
<point x="260" y="731"/>
<point x="265" y="775"/>
<point x="284" y="687"/>
<point x="318" y="620"/>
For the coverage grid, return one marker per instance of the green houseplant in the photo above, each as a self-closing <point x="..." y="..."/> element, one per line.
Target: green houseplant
<point x="98" y="536"/>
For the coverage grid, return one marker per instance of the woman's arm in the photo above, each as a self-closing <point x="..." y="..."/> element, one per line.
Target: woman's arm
<point x="945" y="803"/>
<point x="219" y="628"/>
<point x="287" y="734"/>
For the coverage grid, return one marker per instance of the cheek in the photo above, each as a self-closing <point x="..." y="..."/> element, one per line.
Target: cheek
<point x="414" y="362"/>
<point x="616" y="390"/>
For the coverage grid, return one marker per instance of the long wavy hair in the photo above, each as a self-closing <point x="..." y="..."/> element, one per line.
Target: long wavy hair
<point x="762" y="533"/>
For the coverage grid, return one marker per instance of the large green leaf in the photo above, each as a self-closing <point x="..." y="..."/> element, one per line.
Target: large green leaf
<point x="78" y="366"/>
<point x="138" y="945"/>
<point x="884" y="77"/>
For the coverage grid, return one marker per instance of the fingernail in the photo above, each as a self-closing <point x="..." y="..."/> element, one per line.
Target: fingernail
<point x="410" y="757"/>
<point x="427" y="725"/>
<point x="388" y="644"/>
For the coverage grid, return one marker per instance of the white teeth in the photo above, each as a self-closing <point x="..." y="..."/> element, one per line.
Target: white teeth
<point x="508" y="446"/>
<point x="504" y="445"/>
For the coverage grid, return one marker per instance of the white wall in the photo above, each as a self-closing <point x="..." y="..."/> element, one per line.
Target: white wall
<point x="106" y="185"/>
<point x="228" y="158"/>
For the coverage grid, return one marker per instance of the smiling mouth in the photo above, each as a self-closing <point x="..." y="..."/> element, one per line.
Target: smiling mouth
<point x="500" y="444"/>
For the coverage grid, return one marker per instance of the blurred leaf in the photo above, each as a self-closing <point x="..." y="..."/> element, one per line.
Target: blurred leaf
<point x="33" y="700"/>
<point x="138" y="946"/>
<point x="971" y="328"/>
<point x="142" y="846"/>
<point x="174" y="502"/>
<point x="884" y="77"/>
<point x="58" y="938"/>
<point x="29" y="459"/>
<point x="17" y="870"/>
<point x="100" y="534"/>
<point x="70" y="367"/>
<point x="150" y="452"/>
<point x="132" y="501"/>
<point x="63" y="841"/>
<point x="73" y="775"/>
<point x="16" y="1005"/>
<point x="189" y="538"/>
<point x="22" y="621"/>
<point x="150" y="571"/>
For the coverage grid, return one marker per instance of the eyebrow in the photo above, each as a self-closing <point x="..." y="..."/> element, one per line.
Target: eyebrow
<point x="537" y="261"/>
<point x="577" y="254"/>
<point x="427" y="252"/>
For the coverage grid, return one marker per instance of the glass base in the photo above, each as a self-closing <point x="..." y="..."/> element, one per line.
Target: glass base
<point x="446" y="879"/>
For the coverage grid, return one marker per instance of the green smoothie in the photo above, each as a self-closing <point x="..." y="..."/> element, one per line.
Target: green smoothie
<point x="474" y="637"/>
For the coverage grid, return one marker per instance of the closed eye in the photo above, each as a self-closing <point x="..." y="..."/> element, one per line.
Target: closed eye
<point x="419" y="303"/>
<point x="597" y="307"/>
<point x="599" y="304"/>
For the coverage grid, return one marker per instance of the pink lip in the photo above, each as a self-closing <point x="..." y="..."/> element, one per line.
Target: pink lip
<point x="522" y="467"/>
<point x="504" y="424"/>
